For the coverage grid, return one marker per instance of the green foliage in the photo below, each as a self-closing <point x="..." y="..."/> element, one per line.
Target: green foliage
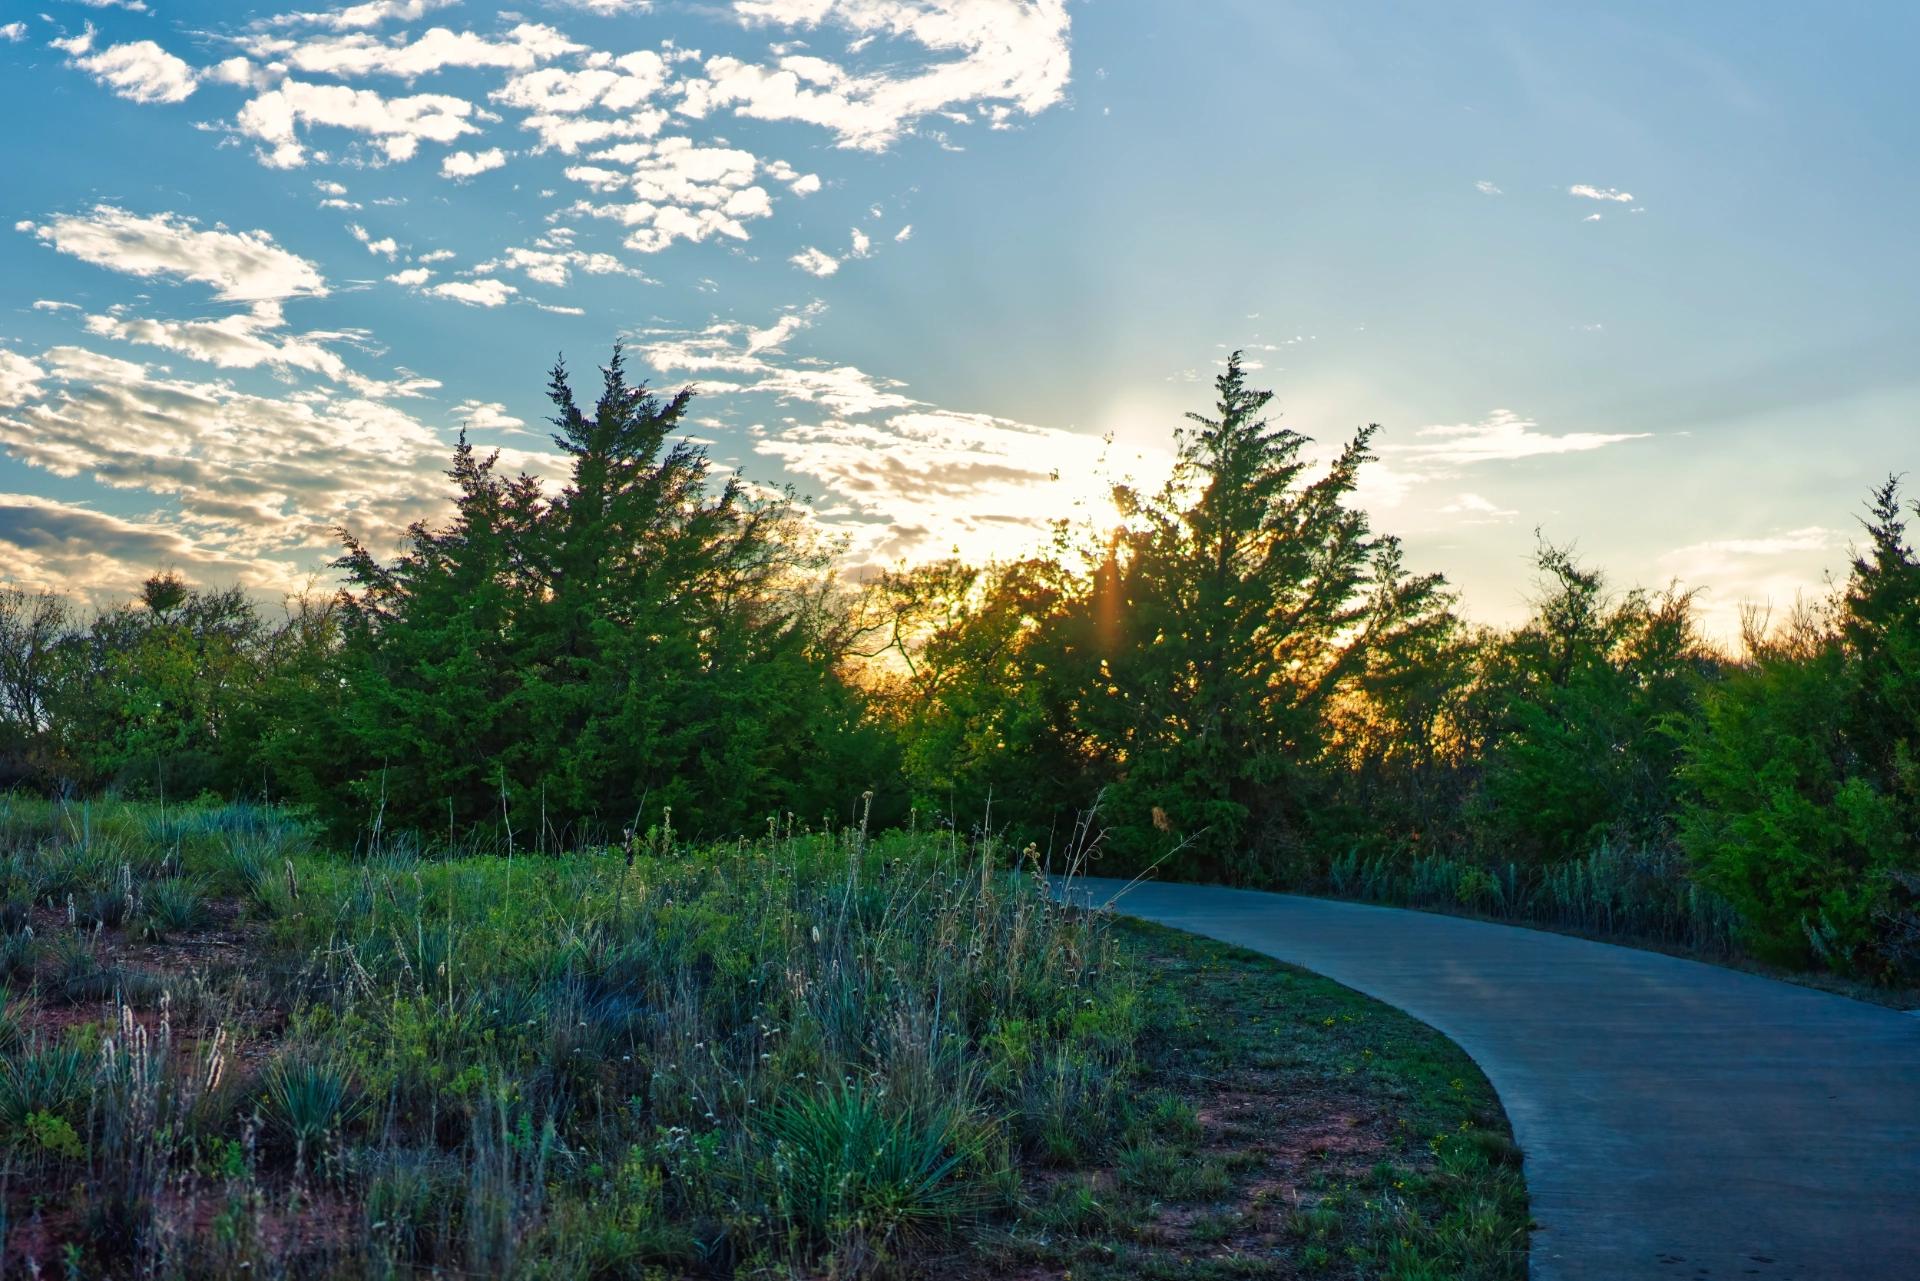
<point x="44" y="1080"/>
<point x="54" y="1135"/>
<point x="1187" y="674"/>
<point x="1232" y="676"/>
<point x="172" y="905"/>
<point x="816" y="1053"/>
<point x="850" y="1164"/>
<point x="309" y="1101"/>
<point x="1574" y="710"/>
<point x="1805" y="809"/>
<point x="641" y="642"/>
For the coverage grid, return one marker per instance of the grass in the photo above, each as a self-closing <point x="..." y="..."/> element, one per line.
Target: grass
<point x="814" y="1054"/>
<point x="1641" y="894"/>
<point x="1282" y="1126"/>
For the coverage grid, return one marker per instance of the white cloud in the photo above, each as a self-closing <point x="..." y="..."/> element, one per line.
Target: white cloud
<point x="465" y="164"/>
<point x="371" y="14"/>
<point x="926" y="481"/>
<point x="1475" y="510"/>
<point x="242" y="266"/>
<point x="682" y="191"/>
<point x="140" y="72"/>
<point x="1769" y="571"/>
<point x="360" y="54"/>
<point x="475" y="293"/>
<point x="412" y="277"/>
<point x="13" y="32"/>
<point x="903" y="478"/>
<point x="486" y="415"/>
<point x="251" y="340"/>
<point x="399" y="125"/>
<point x="253" y="481"/>
<point x="74" y="46"/>
<point x="1502" y="436"/>
<point x="1808" y="538"/>
<point x="905" y="233"/>
<point x="70" y="549"/>
<point x="19" y="377"/>
<point x="551" y="261"/>
<point x="801" y="184"/>
<point x="1013" y="56"/>
<point x="862" y="243"/>
<point x="1486" y="188"/>
<point x="608" y="8"/>
<point x="556" y="100"/>
<point x="245" y="340"/>
<point x="1600" y="193"/>
<point x="617" y="84"/>
<point x="384" y="247"/>
<point x="815" y="262"/>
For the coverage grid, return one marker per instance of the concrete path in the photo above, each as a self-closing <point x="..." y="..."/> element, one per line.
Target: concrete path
<point x="1679" y="1120"/>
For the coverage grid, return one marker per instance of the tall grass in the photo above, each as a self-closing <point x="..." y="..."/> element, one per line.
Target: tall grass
<point x="814" y="1052"/>
<point x="1639" y="893"/>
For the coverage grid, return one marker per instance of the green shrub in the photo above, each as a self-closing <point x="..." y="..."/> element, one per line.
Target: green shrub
<point x="19" y="952"/>
<point x="172" y="906"/>
<point x="47" y="1080"/>
<point x="308" y="1101"/>
<point x="849" y="1165"/>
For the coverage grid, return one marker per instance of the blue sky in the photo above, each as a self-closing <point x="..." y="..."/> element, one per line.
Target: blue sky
<point x="1640" y="277"/>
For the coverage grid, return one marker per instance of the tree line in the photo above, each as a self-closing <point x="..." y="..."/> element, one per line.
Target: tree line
<point x="1237" y="679"/>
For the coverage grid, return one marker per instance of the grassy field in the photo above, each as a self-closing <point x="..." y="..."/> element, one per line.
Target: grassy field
<point x="227" y="1052"/>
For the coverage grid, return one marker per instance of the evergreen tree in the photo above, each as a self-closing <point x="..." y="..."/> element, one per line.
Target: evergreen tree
<point x="1233" y="611"/>
<point x="644" y="639"/>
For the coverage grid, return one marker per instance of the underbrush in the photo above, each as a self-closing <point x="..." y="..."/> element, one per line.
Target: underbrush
<point x="1640" y="894"/>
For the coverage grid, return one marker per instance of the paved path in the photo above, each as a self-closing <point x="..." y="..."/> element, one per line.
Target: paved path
<point x="1679" y="1120"/>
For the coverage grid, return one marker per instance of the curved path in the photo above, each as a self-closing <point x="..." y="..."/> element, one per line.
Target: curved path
<point x="1679" y="1120"/>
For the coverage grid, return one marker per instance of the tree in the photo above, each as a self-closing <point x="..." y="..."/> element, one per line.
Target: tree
<point x="33" y="629"/>
<point x="1803" y="806"/>
<point x="1234" y="610"/>
<point x="1575" y="710"/>
<point x="645" y="639"/>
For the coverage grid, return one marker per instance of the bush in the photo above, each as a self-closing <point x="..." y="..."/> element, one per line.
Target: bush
<point x="850" y="1167"/>
<point x="1805" y="810"/>
<point x="42" y="1080"/>
<point x="308" y="1102"/>
<point x="172" y="906"/>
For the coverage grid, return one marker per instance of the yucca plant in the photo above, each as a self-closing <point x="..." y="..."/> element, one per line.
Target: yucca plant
<point x="51" y="1079"/>
<point x="174" y="905"/>
<point x="76" y="973"/>
<point x="307" y="1100"/>
<point x="19" y="949"/>
<point x="12" y="1034"/>
<point x="851" y="1167"/>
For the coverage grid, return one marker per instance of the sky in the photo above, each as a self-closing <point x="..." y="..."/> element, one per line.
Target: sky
<point x="1638" y="277"/>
